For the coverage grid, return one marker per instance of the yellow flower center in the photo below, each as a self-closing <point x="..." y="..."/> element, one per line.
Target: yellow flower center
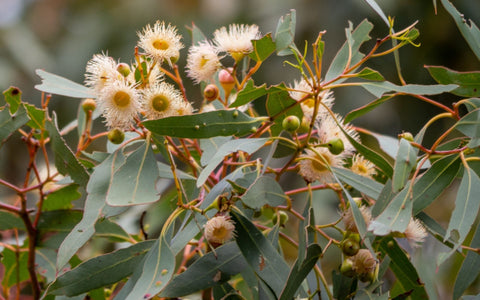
<point x="321" y="162"/>
<point x="160" y="44"/>
<point x="362" y="169"/>
<point x="220" y="233"/>
<point x="310" y="102"/>
<point x="121" y="99"/>
<point x="203" y="62"/>
<point x="160" y="103"/>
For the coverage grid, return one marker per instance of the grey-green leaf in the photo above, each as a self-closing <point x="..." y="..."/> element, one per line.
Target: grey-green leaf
<point x="363" y="184"/>
<point x="379" y="88"/>
<point x="470" y="124"/>
<point x="10" y="123"/>
<point x="245" y="145"/>
<point x="134" y="182"/>
<point x="264" y="190"/>
<point x="205" y="125"/>
<point x="470" y="268"/>
<point x="211" y="269"/>
<point x="405" y="162"/>
<point x="285" y="33"/>
<point x="54" y="84"/>
<point x="100" y="271"/>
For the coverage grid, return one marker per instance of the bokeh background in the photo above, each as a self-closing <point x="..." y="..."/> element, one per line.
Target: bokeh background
<point x="60" y="36"/>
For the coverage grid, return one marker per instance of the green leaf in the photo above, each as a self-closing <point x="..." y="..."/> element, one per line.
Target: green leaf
<point x="134" y="181"/>
<point x="61" y="198"/>
<point x="378" y="10"/>
<point x="470" y="32"/>
<point x="343" y="286"/>
<point x="470" y="268"/>
<point x="396" y="215"/>
<point x="65" y="160"/>
<point x="245" y="145"/>
<point x="249" y="93"/>
<point x="262" y="48"/>
<point x="407" y="276"/>
<point x="97" y="190"/>
<point x="405" y="161"/>
<point x="154" y="274"/>
<point x="165" y="171"/>
<point x="205" y="125"/>
<point x="363" y="184"/>
<point x="350" y="49"/>
<point x="378" y="89"/>
<point x="113" y="231"/>
<point x="466" y="207"/>
<point x="14" y="268"/>
<point x="431" y="184"/>
<point x="468" y="82"/>
<point x="45" y="263"/>
<point x="386" y="195"/>
<point x="100" y="271"/>
<point x="435" y="229"/>
<point x="13" y="96"/>
<point x="369" y="74"/>
<point x="470" y="124"/>
<point x="300" y="271"/>
<point x="36" y="115"/>
<point x="280" y="105"/>
<point x="54" y="84"/>
<point x="260" y="254"/>
<point x="197" y="34"/>
<point x="366" y="108"/>
<point x="10" y="221"/>
<point x="264" y="190"/>
<point x="210" y="147"/>
<point x="211" y="269"/>
<point x="11" y="123"/>
<point x="285" y="34"/>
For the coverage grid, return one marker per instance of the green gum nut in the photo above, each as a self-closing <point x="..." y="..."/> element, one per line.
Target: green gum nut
<point x="291" y="123"/>
<point x="123" y="69"/>
<point x="347" y="268"/>
<point x="89" y="105"/>
<point x="116" y="136"/>
<point x="335" y="146"/>
<point x="406" y="135"/>
<point x="350" y="247"/>
<point x="281" y="217"/>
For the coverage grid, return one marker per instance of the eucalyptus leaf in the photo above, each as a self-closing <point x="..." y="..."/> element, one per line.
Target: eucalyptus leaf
<point x="262" y="48"/>
<point x="468" y="82"/>
<point x="205" y="125"/>
<point x="470" y="268"/>
<point x="352" y="115"/>
<point x="54" y="84"/>
<point x="249" y="93"/>
<point x="245" y="145"/>
<point x="134" y="181"/>
<point x="379" y="88"/>
<point x="470" y="124"/>
<point x="11" y="123"/>
<point x="210" y="147"/>
<point x="260" y="254"/>
<point x="264" y="190"/>
<point x="280" y="105"/>
<point x="363" y="184"/>
<point x="9" y="220"/>
<point x="405" y="161"/>
<point x="13" y="96"/>
<point x="285" y="34"/>
<point x="45" y="263"/>
<point x="211" y="269"/>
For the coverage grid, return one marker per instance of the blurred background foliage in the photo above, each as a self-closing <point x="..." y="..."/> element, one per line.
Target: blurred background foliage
<point x="60" y="36"/>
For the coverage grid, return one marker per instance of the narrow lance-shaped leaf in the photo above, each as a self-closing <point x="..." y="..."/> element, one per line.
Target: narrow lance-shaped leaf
<point x="245" y="145"/>
<point x="211" y="269"/>
<point x="363" y="184"/>
<point x="367" y="108"/>
<point x="54" y="84"/>
<point x="470" y="124"/>
<point x="379" y="88"/>
<point x="260" y="254"/>
<point x="134" y="182"/>
<point x="205" y="125"/>
<point x="65" y="160"/>
<point x="404" y="163"/>
<point x="468" y="82"/>
<point x="465" y="212"/>
<point x="100" y="271"/>
<point x="470" y="268"/>
<point x="355" y="38"/>
<point x="470" y="32"/>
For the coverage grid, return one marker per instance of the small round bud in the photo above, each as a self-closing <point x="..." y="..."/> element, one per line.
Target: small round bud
<point x="347" y="268"/>
<point x="211" y="92"/>
<point x="406" y="135"/>
<point x="350" y="247"/>
<point x="89" y="105"/>
<point x="174" y="58"/>
<point x="226" y="79"/>
<point x="353" y="236"/>
<point x="335" y="146"/>
<point x="123" y="69"/>
<point x="280" y="217"/>
<point x="116" y="136"/>
<point x="291" y="123"/>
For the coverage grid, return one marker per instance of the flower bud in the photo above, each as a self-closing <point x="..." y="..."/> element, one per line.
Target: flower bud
<point x="89" y="105"/>
<point x="116" y="136"/>
<point x="291" y="123"/>
<point x="335" y="146"/>
<point x="406" y="135"/>
<point x="347" y="268"/>
<point x="123" y="69"/>
<point x="280" y="217"/>
<point x="226" y="80"/>
<point x="211" y="92"/>
<point x="350" y="247"/>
